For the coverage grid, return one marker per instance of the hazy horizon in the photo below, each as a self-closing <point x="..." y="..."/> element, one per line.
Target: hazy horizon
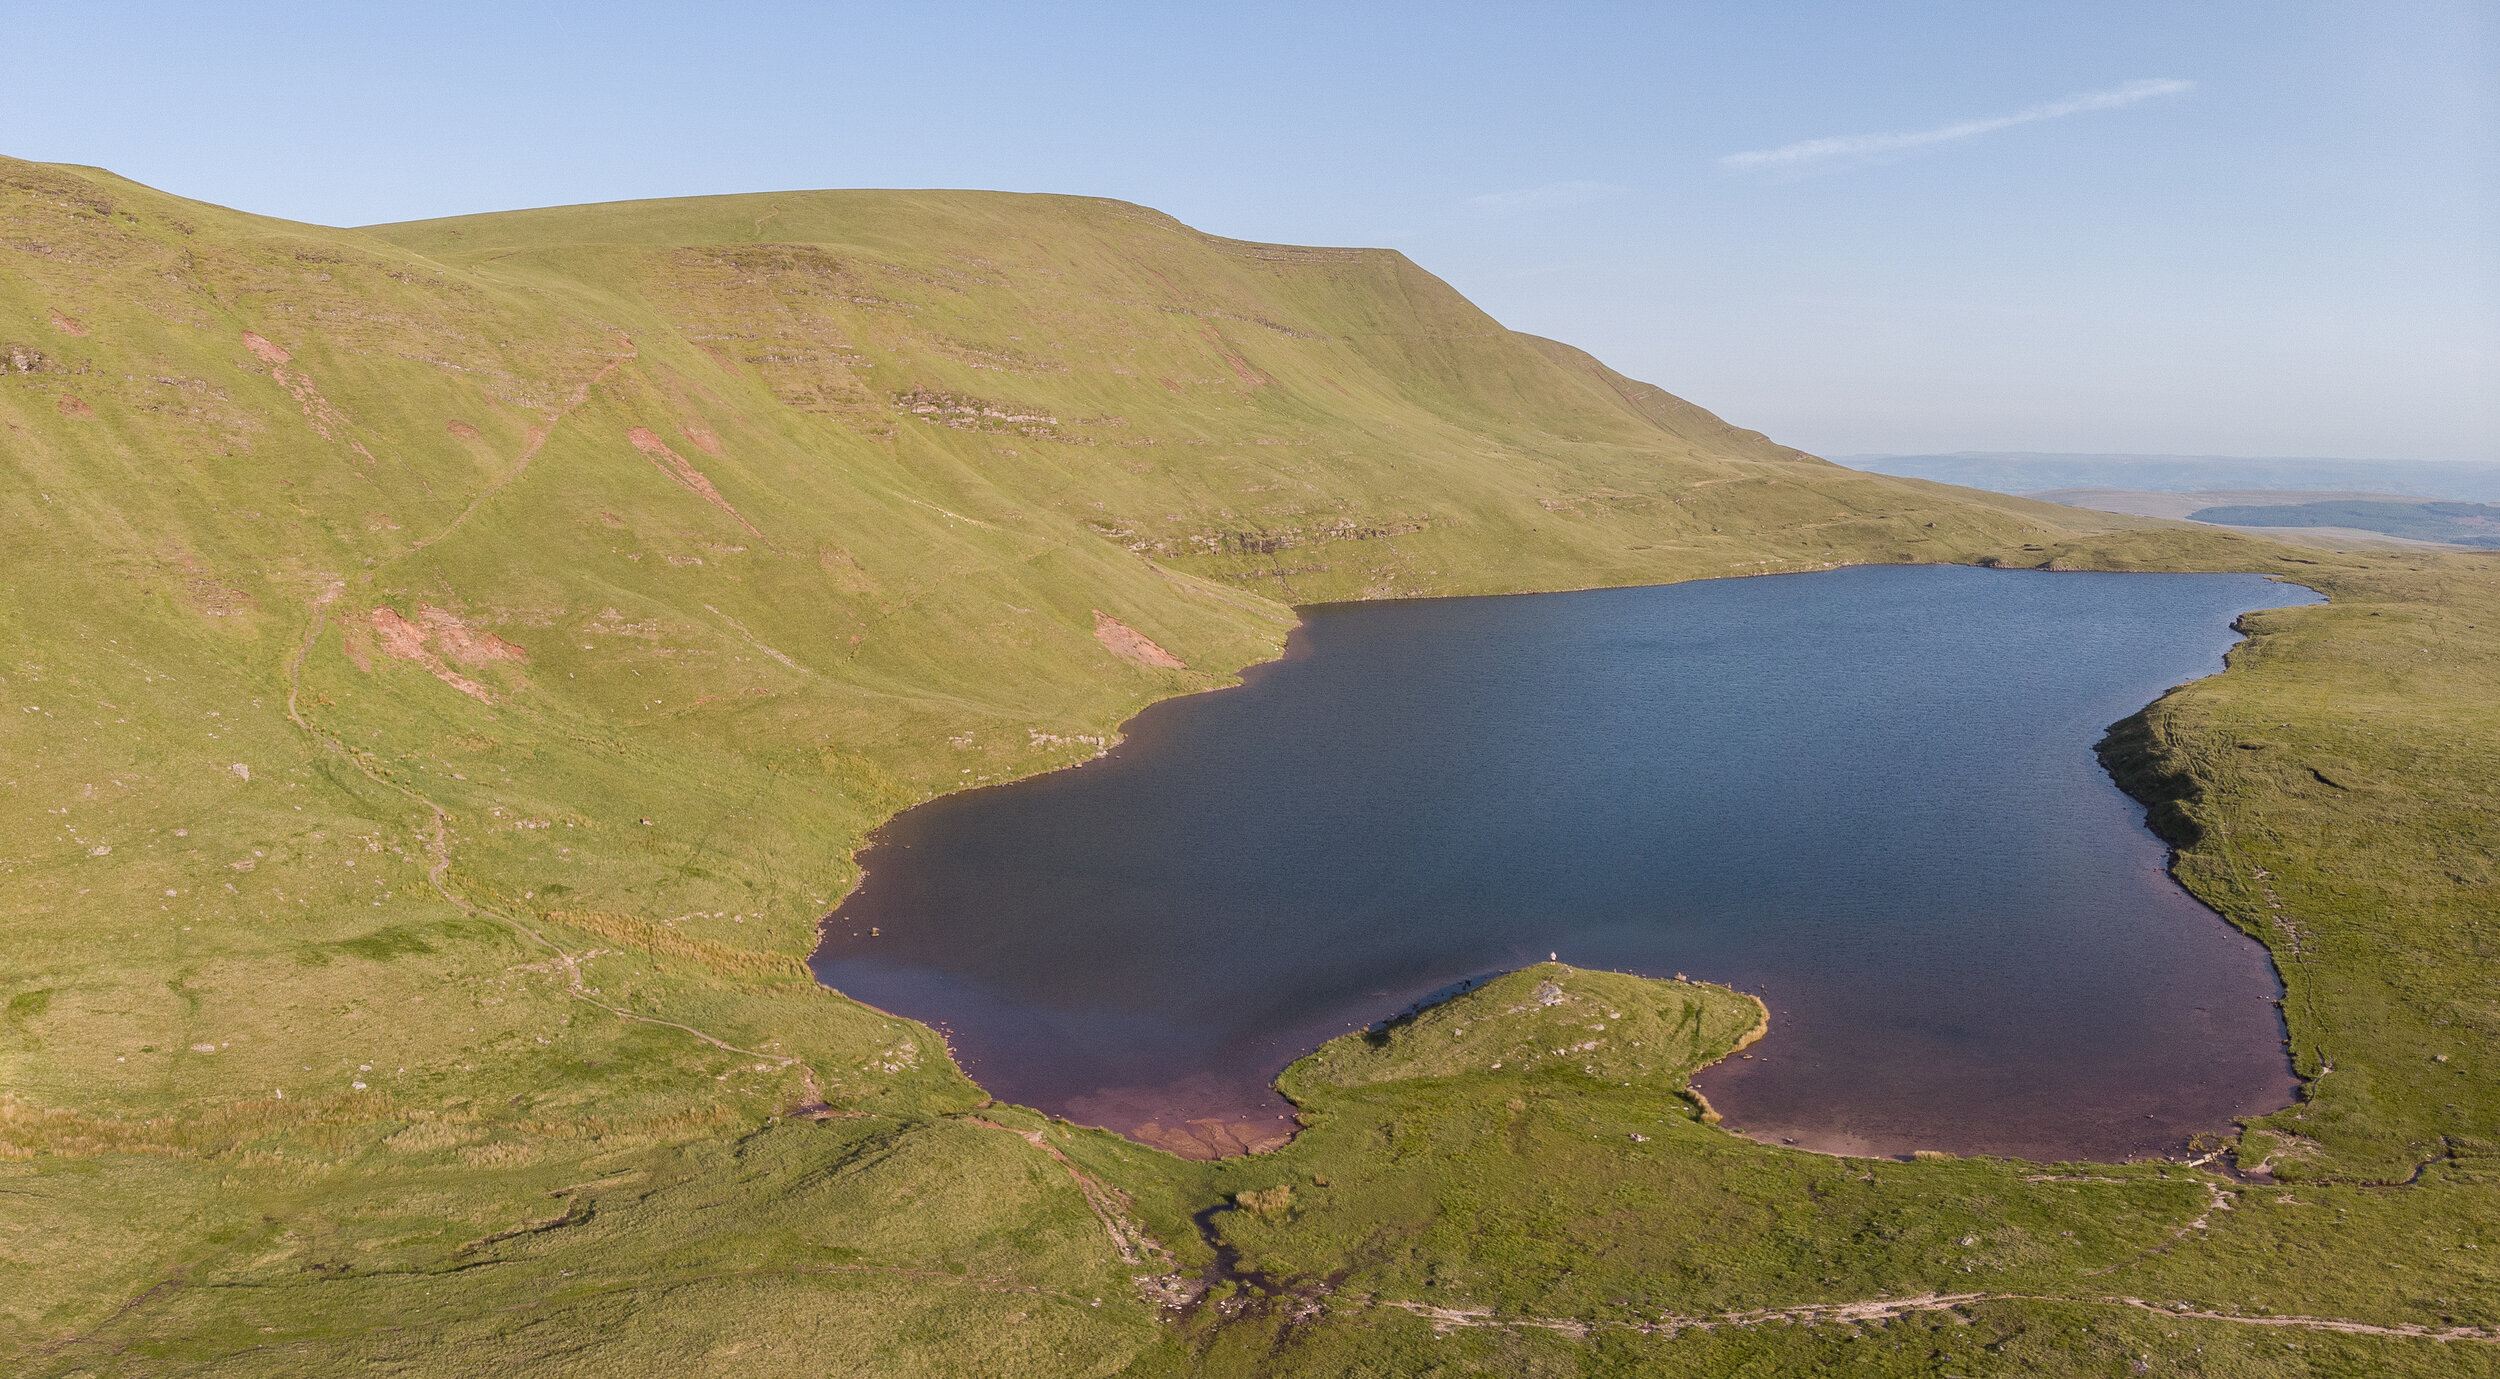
<point x="2037" y="473"/>
<point x="2146" y="457"/>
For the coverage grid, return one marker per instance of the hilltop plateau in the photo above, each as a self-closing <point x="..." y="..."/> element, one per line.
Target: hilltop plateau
<point x="447" y="668"/>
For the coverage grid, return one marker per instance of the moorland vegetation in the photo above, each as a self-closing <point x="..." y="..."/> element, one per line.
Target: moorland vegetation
<point x="446" y="669"/>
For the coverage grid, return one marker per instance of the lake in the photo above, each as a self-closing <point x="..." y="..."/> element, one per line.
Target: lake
<point x="1867" y="795"/>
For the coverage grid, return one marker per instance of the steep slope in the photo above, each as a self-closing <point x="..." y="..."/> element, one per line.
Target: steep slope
<point x="449" y="665"/>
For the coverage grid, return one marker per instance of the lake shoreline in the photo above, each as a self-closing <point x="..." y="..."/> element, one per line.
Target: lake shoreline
<point x="1204" y="1137"/>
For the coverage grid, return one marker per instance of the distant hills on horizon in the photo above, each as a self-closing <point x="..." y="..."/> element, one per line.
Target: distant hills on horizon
<point x="2031" y="472"/>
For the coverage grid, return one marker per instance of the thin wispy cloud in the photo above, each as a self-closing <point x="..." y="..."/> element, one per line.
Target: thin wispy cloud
<point x="1551" y="196"/>
<point x="1813" y="152"/>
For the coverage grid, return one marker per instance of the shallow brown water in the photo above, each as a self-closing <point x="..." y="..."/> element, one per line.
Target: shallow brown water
<point x="1868" y="795"/>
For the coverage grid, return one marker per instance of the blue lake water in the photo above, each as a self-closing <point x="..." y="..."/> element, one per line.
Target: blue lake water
<point x="1868" y="795"/>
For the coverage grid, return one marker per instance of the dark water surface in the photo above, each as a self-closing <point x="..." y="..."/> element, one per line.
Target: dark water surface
<point x="1868" y="795"/>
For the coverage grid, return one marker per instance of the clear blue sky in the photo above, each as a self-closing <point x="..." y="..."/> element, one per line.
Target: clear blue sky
<point x="2221" y="227"/>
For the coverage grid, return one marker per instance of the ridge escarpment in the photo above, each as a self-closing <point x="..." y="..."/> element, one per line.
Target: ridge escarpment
<point x="755" y="517"/>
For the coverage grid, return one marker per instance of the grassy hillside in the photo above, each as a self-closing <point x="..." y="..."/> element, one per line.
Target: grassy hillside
<point x="449" y="666"/>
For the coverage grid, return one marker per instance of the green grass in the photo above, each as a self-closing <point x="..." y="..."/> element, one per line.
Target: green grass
<point x="2334" y="797"/>
<point x="944" y="429"/>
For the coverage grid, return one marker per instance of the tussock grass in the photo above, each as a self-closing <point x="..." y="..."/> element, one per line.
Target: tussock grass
<point x="665" y="942"/>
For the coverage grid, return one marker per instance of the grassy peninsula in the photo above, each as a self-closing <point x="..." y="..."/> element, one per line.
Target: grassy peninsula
<point x="449" y="667"/>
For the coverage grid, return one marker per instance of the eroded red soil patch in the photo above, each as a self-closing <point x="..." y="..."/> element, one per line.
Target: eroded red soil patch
<point x="72" y="407"/>
<point x="67" y="325"/>
<point x="464" y="643"/>
<point x="1131" y="645"/>
<point x="325" y="419"/>
<point x="438" y="634"/>
<point x="1241" y="367"/>
<point x="648" y="442"/>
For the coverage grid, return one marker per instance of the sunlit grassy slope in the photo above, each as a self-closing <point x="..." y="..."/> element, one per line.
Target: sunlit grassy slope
<point x="445" y="670"/>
